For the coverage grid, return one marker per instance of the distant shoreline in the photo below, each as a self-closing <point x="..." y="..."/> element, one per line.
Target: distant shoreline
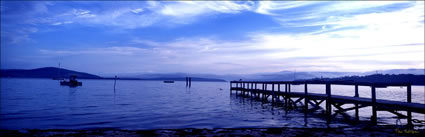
<point x="52" y="72"/>
<point x="112" y="79"/>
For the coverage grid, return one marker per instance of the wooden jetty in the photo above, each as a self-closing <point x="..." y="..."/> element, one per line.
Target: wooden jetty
<point x="259" y="90"/>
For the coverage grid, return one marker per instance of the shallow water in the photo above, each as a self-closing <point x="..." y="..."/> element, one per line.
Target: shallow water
<point x="44" y="104"/>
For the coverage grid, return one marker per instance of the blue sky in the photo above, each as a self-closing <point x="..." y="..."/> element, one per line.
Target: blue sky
<point x="219" y="37"/>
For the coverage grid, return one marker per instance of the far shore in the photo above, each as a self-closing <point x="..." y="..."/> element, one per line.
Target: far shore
<point x="107" y="78"/>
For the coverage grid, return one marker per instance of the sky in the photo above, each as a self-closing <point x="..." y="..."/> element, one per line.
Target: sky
<point x="214" y="37"/>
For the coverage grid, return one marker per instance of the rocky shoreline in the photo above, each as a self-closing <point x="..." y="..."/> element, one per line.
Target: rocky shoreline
<point x="226" y="132"/>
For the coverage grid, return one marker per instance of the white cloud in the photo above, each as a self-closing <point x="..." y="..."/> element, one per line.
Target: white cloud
<point x="61" y="23"/>
<point x="352" y="49"/>
<point x="57" y="23"/>
<point x="382" y="40"/>
<point x="107" y="50"/>
<point x="326" y="12"/>
<point x="136" y="11"/>
<point x="144" y="14"/>
<point x="82" y="13"/>
<point x="268" y="7"/>
<point x="352" y="6"/>
<point x="358" y="41"/>
<point x="191" y="8"/>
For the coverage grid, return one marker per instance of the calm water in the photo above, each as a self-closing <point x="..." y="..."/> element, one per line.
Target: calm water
<point x="43" y="104"/>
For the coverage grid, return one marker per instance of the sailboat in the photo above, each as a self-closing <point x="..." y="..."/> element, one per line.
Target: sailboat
<point x="59" y="74"/>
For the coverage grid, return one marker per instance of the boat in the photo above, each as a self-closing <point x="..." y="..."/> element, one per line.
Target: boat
<point x="72" y="82"/>
<point x="59" y="74"/>
<point x="168" y="81"/>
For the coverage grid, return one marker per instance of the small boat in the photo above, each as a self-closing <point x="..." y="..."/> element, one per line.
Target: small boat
<point x="168" y="81"/>
<point x="72" y="82"/>
<point x="59" y="74"/>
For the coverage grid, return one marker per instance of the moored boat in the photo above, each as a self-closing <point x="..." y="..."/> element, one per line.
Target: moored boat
<point x="168" y="81"/>
<point x="72" y="82"/>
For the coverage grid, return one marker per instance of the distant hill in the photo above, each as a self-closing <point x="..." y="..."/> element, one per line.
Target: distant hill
<point x="184" y="78"/>
<point x="398" y="71"/>
<point x="52" y="72"/>
<point x="173" y="76"/>
<point x="268" y="76"/>
<point x="400" y="78"/>
<point x="388" y="75"/>
<point x="170" y="78"/>
<point x="291" y="75"/>
<point x="47" y="72"/>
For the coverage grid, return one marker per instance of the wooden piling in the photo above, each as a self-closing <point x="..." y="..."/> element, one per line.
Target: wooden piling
<point x="409" y="100"/>
<point x="273" y="95"/>
<point x="190" y="82"/>
<point x="115" y="81"/>
<point x="356" y="94"/>
<point x="262" y="93"/>
<point x="328" y="103"/>
<point x="374" y="113"/>
<point x="243" y="86"/>
<point x="231" y="87"/>
<point x="305" y="98"/>
<point x="328" y="100"/>
<point x="286" y="97"/>
<point x="265" y="95"/>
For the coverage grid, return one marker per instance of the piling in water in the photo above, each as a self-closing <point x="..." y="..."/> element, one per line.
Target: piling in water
<point x="190" y="82"/>
<point x="187" y="81"/>
<point x="115" y="81"/>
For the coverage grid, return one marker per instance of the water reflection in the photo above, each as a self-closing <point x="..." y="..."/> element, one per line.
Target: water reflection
<point x="314" y="114"/>
<point x="71" y="94"/>
<point x="187" y="90"/>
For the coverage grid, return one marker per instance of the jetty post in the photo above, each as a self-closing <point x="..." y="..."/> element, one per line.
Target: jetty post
<point x="265" y="89"/>
<point x="115" y="81"/>
<point x="285" y="97"/>
<point x="243" y="86"/>
<point x="328" y="102"/>
<point x="336" y="101"/>
<point x="190" y="82"/>
<point x="374" y="113"/>
<point x="273" y="95"/>
<point x="409" y="100"/>
<point x="251" y="88"/>
<point x="356" y="94"/>
<point x="255" y="94"/>
<point x="305" y="98"/>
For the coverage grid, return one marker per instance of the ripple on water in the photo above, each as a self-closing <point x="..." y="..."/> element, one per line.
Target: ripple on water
<point x="154" y="105"/>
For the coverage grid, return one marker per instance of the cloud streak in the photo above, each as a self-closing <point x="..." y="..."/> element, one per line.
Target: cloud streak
<point x="139" y="15"/>
<point x="94" y="51"/>
<point x="308" y="36"/>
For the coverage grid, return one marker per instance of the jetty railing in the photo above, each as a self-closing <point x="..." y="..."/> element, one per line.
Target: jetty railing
<point x="287" y="97"/>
